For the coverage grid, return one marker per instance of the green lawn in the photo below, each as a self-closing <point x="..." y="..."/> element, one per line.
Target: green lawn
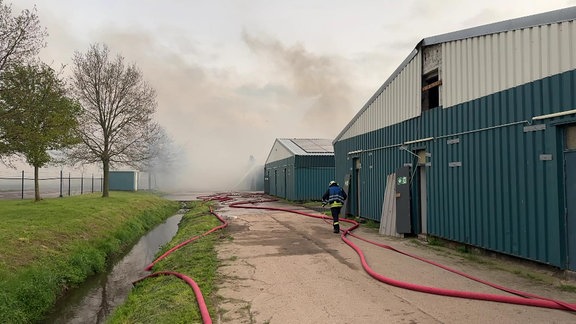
<point x="48" y="246"/>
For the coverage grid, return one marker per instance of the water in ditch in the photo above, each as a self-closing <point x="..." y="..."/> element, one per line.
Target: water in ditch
<point x="95" y="300"/>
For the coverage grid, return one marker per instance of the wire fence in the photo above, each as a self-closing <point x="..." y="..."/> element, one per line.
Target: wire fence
<point x="22" y="186"/>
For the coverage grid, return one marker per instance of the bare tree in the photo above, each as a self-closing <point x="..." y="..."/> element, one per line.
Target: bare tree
<point x="116" y="123"/>
<point x="163" y="156"/>
<point x="21" y="36"/>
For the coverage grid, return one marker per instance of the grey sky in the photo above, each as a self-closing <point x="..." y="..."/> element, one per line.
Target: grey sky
<point x="233" y="75"/>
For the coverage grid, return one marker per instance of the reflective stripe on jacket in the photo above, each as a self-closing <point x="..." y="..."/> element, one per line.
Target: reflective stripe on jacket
<point x="336" y="204"/>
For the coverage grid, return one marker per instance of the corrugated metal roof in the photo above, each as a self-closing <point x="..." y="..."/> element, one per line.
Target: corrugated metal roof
<point x="308" y="146"/>
<point x="550" y="17"/>
<point x="284" y="148"/>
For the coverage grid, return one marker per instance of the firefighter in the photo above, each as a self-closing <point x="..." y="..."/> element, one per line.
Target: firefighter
<point x="335" y="196"/>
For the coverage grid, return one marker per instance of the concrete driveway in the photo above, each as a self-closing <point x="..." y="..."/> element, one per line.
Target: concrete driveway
<point x="279" y="267"/>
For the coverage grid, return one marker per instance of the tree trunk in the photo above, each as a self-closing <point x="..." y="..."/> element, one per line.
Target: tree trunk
<point x="36" y="185"/>
<point x="106" y="180"/>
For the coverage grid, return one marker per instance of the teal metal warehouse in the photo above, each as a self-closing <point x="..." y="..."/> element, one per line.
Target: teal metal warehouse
<point x="299" y="168"/>
<point x="473" y="139"/>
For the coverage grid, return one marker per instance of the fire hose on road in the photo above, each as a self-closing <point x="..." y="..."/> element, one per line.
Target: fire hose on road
<point x="521" y="298"/>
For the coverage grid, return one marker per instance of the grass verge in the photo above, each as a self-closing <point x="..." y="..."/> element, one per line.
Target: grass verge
<point x="167" y="299"/>
<point x="49" y="246"/>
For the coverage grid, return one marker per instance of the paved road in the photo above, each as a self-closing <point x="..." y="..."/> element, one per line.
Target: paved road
<point x="280" y="267"/>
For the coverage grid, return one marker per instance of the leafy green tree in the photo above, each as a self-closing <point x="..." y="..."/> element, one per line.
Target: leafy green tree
<point x="39" y="116"/>
<point x="21" y="38"/>
<point x="117" y="109"/>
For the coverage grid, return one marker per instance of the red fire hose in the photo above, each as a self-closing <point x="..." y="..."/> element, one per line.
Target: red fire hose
<point x="224" y="224"/>
<point x="522" y="298"/>
<point x="199" y="298"/>
<point x="528" y="299"/>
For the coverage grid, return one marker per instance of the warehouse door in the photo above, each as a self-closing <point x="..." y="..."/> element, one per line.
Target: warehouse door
<point x="267" y="182"/>
<point x="346" y="209"/>
<point x="418" y="190"/>
<point x="280" y="188"/>
<point x="423" y="205"/>
<point x="275" y="191"/>
<point x="403" y="201"/>
<point x="357" y="167"/>
<point x="570" y="192"/>
<point x="285" y="184"/>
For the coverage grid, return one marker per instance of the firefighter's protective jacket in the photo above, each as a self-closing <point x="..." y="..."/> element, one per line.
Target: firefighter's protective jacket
<point x="335" y="196"/>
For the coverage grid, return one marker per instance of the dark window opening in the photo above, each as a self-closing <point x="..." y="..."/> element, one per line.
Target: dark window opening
<point x="430" y="91"/>
<point x="570" y="137"/>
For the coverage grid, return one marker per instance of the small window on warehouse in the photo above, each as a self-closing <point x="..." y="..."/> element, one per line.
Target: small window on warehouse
<point x="571" y="137"/>
<point x="431" y="90"/>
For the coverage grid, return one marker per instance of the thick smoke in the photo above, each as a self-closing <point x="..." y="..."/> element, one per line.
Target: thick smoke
<point x="322" y="83"/>
<point x="232" y="76"/>
<point x="220" y="116"/>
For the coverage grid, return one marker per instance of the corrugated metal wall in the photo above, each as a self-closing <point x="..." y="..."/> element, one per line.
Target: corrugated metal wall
<point x="490" y="188"/>
<point x="495" y="177"/>
<point x="480" y="66"/>
<point x="300" y="177"/>
<point x="279" y="176"/>
<point x="312" y="182"/>
<point x="473" y="68"/>
<point x="399" y="101"/>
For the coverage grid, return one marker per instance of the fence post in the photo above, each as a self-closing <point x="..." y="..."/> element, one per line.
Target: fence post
<point x="22" y="184"/>
<point x="61" y="181"/>
<point x="68" y="184"/>
<point x="92" y="182"/>
<point x="82" y="184"/>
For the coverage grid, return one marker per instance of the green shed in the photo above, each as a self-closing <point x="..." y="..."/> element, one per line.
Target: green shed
<point x="124" y="180"/>
<point x="299" y="168"/>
